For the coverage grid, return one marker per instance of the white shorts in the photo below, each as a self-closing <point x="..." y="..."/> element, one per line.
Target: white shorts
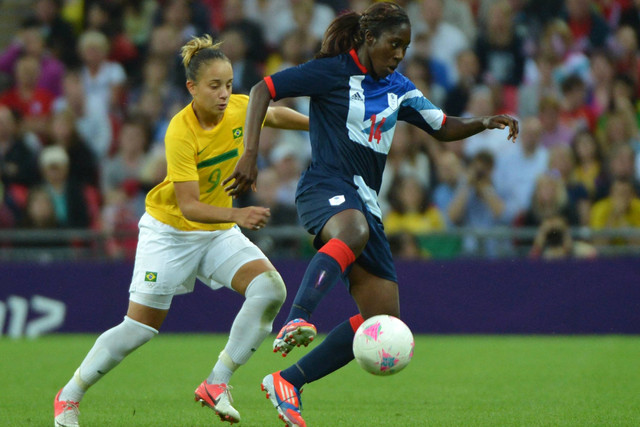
<point x="169" y="260"/>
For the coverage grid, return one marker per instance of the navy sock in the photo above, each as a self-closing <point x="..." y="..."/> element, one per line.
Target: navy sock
<point x="332" y="354"/>
<point x="322" y="274"/>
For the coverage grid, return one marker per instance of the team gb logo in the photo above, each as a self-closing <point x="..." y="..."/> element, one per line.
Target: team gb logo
<point x="392" y="98"/>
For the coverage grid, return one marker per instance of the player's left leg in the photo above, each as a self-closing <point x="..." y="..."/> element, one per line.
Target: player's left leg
<point x="245" y="269"/>
<point x="264" y="292"/>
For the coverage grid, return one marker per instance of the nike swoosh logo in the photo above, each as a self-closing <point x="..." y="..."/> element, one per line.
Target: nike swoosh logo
<point x="215" y="401"/>
<point x="201" y="150"/>
<point x="100" y="372"/>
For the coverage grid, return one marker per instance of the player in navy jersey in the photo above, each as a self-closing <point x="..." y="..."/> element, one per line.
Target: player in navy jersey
<point x="357" y="97"/>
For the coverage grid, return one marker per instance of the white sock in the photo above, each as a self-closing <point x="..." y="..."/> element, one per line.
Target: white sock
<point x="263" y="298"/>
<point x="109" y="349"/>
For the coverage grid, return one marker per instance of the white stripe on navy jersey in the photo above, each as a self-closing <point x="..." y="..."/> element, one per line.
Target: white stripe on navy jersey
<point x="353" y="118"/>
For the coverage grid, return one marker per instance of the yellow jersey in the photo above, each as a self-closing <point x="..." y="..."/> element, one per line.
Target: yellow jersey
<point x="196" y="154"/>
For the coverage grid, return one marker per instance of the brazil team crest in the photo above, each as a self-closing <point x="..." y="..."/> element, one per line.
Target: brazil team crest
<point x="237" y="133"/>
<point x="150" y="276"/>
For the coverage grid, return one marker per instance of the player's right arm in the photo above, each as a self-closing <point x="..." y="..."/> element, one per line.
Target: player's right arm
<point x="188" y="198"/>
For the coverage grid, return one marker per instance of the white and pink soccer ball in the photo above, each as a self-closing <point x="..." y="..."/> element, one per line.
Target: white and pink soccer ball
<point x="383" y="345"/>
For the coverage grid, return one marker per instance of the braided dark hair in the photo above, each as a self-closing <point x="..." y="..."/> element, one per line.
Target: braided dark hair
<point x="347" y="31"/>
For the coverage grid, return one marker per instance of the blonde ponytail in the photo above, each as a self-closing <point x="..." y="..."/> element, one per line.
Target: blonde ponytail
<point x="197" y="51"/>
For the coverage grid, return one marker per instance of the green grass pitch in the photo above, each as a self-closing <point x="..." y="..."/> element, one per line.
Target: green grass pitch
<point x="452" y="381"/>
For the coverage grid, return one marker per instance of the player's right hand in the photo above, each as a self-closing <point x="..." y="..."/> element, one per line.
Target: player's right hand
<point x="252" y="217"/>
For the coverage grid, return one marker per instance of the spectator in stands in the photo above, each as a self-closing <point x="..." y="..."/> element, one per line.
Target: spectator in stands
<point x="553" y="241"/>
<point x="60" y="35"/>
<point x="500" y="49"/>
<point x="279" y="17"/>
<point x="253" y="34"/>
<point x="69" y="199"/>
<point x="40" y="211"/>
<point x="621" y="128"/>
<point x="106" y="17"/>
<point x="7" y="215"/>
<point x="603" y="74"/>
<point x="628" y="55"/>
<point x="411" y="209"/>
<point x="458" y="96"/>
<point x="554" y="132"/>
<point x="290" y="53"/>
<point x="32" y="103"/>
<point x="587" y="26"/>
<point x="137" y="21"/>
<point x="18" y="163"/>
<point x="576" y="113"/>
<point x="164" y="43"/>
<point x="549" y="199"/>
<point x="631" y="18"/>
<point x="246" y="71"/>
<point x="620" y="165"/>
<point x="537" y="85"/>
<point x="284" y="159"/>
<point x="83" y="165"/>
<point x="29" y="41"/>
<point x="91" y="121"/>
<point x="450" y="172"/>
<point x="187" y="17"/>
<point x="405" y="157"/>
<point x="103" y="80"/>
<point x="621" y="209"/>
<point x="446" y="40"/>
<point x="477" y="204"/>
<point x="518" y="168"/>
<point x="155" y="78"/>
<point x="122" y="172"/>
<point x="283" y="212"/>
<point x="588" y="168"/>
<point x="557" y="44"/>
<point x="561" y="164"/>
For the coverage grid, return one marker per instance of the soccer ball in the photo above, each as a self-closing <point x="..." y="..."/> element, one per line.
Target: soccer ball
<point x="383" y="345"/>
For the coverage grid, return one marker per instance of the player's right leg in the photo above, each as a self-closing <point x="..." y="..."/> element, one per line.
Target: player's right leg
<point x="345" y="230"/>
<point x="164" y="260"/>
<point x="108" y="351"/>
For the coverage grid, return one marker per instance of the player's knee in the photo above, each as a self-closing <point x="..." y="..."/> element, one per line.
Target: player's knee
<point x="270" y="286"/>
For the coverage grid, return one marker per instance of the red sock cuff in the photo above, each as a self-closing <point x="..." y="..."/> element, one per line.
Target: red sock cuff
<point x="339" y="251"/>
<point x="356" y="321"/>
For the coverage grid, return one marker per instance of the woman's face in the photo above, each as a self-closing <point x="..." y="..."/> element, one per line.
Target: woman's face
<point x="386" y="51"/>
<point x="213" y="88"/>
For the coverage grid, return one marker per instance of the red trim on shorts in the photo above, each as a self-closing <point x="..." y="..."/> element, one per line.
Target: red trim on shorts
<point x="356" y="321"/>
<point x="354" y="55"/>
<point x="339" y="251"/>
<point x="272" y="89"/>
<point x="444" y="119"/>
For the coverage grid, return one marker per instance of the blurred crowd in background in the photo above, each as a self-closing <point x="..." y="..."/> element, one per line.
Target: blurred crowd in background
<point x="87" y="89"/>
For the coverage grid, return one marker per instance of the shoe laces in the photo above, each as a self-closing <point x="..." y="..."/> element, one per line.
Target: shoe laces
<point x="70" y="406"/>
<point x="227" y="390"/>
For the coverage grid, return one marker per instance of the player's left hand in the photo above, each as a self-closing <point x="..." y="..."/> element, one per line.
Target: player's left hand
<point x="244" y="177"/>
<point x="502" y="121"/>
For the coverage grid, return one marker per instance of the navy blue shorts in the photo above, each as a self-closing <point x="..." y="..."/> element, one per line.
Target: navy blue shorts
<point x="319" y="203"/>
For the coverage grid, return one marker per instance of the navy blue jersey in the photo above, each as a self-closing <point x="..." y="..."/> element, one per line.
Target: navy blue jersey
<point x="352" y="119"/>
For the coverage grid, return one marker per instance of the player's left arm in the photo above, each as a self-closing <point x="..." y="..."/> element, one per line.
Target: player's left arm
<point x="457" y="128"/>
<point x="286" y="118"/>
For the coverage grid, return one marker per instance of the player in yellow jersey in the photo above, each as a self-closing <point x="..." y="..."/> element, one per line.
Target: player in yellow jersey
<point x="190" y="230"/>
